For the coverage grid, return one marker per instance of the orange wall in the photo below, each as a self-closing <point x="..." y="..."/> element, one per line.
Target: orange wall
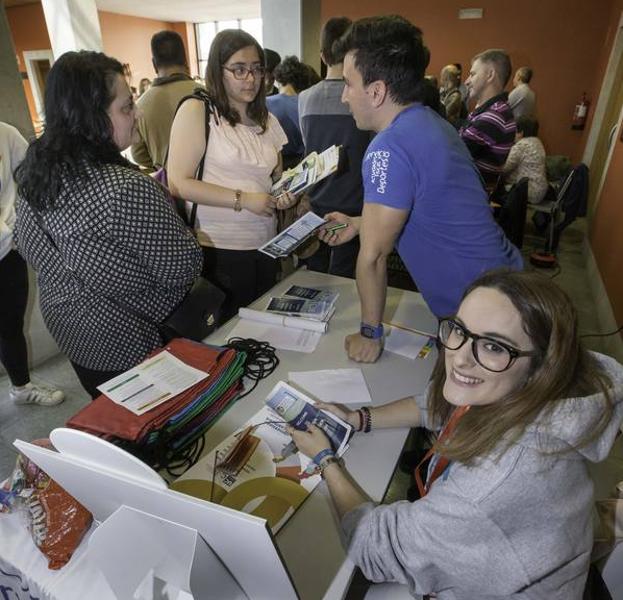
<point x="29" y="32"/>
<point x="560" y="39"/>
<point x="124" y="37"/>
<point x="128" y="40"/>
<point x="607" y="226"/>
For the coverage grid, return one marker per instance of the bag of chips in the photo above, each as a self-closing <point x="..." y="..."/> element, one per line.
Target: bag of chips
<point x="57" y="521"/>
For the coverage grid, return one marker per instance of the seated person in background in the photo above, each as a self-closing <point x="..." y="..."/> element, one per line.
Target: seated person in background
<point x="422" y="193"/>
<point x="14" y="277"/>
<point x="506" y="506"/>
<point x="450" y="95"/>
<point x="522" y="99"/>
<point x="242" y="159"/>
<point x="291" y="78"/>
<point x="113" y="260"/>
<point x="325" y="121"/>
<point x="527" y="159"/>
<point x="159" y="103"/>
<point x="490" y="128"/>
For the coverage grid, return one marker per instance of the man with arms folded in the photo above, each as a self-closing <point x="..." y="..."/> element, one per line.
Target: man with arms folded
<point x="422" y="192"/>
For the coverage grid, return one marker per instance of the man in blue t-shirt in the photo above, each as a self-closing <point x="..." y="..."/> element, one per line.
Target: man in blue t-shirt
<point x="422" y="192"/>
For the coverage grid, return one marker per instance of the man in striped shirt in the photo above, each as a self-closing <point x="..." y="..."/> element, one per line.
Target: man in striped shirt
<point x="490" y="129"/>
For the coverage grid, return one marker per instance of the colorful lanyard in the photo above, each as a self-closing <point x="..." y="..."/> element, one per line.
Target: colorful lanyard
<point x="442" y="462"/>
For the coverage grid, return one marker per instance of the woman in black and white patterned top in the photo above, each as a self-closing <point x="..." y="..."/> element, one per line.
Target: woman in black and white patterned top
<point x="111" y="256"/>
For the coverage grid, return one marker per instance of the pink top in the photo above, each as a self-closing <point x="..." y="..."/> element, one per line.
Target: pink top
<point x="240" y="157"/>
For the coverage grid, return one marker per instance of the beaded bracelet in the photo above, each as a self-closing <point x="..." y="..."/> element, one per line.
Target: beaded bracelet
<point x="329" y="460"/>
<point x="360" y="413"/>
<point x="367" y="419"/>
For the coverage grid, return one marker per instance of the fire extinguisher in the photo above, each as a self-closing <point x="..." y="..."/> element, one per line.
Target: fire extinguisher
<point x="580" y="112"/>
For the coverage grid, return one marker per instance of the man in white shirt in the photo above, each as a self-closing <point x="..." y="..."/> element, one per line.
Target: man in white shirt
<point x="14" y="282"/>
<point x="522" y="99"/>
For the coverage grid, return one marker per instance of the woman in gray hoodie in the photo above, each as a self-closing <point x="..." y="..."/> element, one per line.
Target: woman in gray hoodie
<point x="506" y="504"/>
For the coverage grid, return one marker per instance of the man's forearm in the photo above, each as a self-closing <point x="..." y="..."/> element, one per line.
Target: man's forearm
<point x="372" y="286"/>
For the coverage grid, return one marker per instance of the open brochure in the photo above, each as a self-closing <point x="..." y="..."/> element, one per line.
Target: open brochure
<point x="312" y="169"/>
<point x="258" y="469"/>
<point x="292" y="237"/>
<point x="154" y="381"/>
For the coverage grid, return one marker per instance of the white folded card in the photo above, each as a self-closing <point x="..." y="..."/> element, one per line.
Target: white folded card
<point x="338" y="386"/>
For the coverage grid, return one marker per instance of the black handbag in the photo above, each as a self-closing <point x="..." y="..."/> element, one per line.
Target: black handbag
<point x="197" y="315"/>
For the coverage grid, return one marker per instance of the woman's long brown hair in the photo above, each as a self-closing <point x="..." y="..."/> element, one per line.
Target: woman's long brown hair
<point x="225" y="44"/>
<point x="561" y="369"/>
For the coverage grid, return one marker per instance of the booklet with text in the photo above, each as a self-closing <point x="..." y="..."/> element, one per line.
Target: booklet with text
<point x="312" y="169"/>
<point x="292" y="237"/>
<point x="258" y="469"/>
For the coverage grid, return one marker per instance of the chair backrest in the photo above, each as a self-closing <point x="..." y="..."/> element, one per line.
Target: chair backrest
<point x="512" y="217"/>
<point x="562" y="190"/>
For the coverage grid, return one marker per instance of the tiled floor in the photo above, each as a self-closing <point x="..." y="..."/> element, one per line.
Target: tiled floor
<point x="31" y="422"/>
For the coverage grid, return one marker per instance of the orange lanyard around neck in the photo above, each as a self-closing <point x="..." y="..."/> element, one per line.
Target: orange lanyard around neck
<point x="442" y="462"/>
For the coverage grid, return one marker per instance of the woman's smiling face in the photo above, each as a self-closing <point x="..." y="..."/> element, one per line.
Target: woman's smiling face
<point x="486" y="312"/>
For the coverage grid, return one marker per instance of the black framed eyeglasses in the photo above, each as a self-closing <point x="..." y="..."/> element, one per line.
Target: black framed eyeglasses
<point x="491" y="354"/>
<point x="241" y="72"/>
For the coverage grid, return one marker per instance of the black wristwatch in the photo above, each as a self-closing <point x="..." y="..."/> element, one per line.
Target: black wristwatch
<point x="370" y="331"/>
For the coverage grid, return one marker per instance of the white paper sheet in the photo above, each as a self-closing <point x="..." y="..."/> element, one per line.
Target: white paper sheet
<point x="151" y="383"/>
<point x="285" y="338"/>
<point x="403" y="342"/>
<point x="340" y="386"/>
<point x="283" y="320"/>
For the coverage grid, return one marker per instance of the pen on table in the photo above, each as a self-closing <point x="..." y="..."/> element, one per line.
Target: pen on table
<point x="118" y="385"/>
<point x="337" y="227"/>
<point x="151" y="385"/>
<point x="412" y="330"/>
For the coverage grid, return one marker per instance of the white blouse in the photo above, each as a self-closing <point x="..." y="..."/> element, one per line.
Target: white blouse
<point x="244" y="158"/>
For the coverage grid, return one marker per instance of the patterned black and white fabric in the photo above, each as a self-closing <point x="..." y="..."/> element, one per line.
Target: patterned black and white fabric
<point x="116" y="237"/>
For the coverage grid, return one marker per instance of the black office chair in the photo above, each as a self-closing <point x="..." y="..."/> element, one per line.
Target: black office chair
<point x="512" y="214"/>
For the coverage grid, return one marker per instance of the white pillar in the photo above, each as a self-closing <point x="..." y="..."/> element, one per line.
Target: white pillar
<point x="72" y="25"/>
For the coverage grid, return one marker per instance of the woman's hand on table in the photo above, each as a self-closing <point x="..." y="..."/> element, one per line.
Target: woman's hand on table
<point x="339" y="236"/>
<point x="286" y="200"/>
<point x="309" y="442"/>
<point x="259" y="203"/>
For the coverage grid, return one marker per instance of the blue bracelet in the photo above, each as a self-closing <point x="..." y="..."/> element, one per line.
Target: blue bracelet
<point x="322" y="454"/>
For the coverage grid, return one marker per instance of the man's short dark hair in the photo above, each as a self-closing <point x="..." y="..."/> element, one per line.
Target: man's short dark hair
<point x="271" y="59"/>
<point x="499" y="60"/>
<point x="529" y="126"/>
<point x="389" y="49"/>
<point x="167" y="49"/>
<point x="331" y="32"/>
<point x="525" y="74"/>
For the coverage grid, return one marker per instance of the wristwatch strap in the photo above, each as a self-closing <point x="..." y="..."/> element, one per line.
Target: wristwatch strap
<point x="370" y="331"/>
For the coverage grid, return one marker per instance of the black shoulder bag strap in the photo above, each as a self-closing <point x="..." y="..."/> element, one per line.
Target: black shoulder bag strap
<point x="198" y="94"/>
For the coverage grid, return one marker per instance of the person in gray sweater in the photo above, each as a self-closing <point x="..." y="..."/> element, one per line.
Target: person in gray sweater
<point x="506" y="505"/>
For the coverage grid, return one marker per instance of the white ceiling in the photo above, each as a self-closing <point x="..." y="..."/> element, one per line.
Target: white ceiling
<point x="194" y="11"/>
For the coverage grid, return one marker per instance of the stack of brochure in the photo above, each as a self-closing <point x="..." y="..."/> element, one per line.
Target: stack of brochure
<point x="304" y="302"/>
<point x="312" y="169"/>
<point x="258" y="469"/>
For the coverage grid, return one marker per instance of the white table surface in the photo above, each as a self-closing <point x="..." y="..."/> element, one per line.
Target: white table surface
<point x="310" y="542"/>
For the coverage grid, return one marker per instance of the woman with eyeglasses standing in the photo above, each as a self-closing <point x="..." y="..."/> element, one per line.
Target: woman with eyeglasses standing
<point x="236" y="210"/>
<point x="520" y="406"/>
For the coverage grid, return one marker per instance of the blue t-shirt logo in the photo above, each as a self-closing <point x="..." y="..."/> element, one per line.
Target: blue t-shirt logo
<point x="378" y="170"/>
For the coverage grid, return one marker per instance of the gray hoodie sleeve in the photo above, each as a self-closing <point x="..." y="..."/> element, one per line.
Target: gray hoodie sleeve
<point x="432" y="546"/>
